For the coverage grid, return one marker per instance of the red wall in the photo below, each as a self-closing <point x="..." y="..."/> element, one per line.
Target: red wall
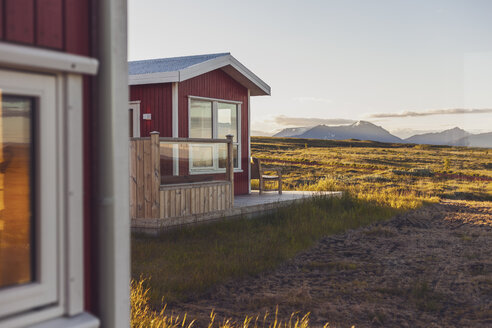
<point x="62" y="25"/>
<point x="54" y="24"/>
<point x="156" y="99"/>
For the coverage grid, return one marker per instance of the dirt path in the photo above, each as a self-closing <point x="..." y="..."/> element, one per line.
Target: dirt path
<point x="427" y="268"/>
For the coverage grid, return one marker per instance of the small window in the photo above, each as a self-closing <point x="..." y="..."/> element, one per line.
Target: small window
<point x="213" y="119"/>
<point x="29" y="215"/>
<point x="16" y="191"/>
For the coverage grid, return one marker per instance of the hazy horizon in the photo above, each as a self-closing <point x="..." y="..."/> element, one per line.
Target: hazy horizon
<point x="402" y="133"/>
<point x="407" y="66"/>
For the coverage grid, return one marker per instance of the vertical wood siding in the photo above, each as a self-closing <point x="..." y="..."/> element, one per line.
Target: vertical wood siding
<point x="49" y="31"/>
<point x="1" y="19"/>
<point x="55" y="24"/>
<point x="19" y="21"/>
<point x="218" y="84"/>
<point x="155" y="99"/>
<point x="77" y="27"/>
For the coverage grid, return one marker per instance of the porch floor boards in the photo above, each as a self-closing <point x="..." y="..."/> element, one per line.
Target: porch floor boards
<point x="249" y="206"/>
<point x="272" y="197"/>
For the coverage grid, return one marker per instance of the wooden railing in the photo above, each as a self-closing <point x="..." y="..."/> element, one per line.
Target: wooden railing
<point x="149" y="200"/>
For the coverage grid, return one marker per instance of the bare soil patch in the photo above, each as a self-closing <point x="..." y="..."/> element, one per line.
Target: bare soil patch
<point x="427" y="268"/>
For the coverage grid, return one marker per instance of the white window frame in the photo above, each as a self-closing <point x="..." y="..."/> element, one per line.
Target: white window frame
<point x="215" y="168"/>
<point x="56" y="298"/>
<point x="45" y="290"/>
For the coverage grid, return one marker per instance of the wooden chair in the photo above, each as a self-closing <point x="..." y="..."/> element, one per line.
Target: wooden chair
<point x="257" y="172"/>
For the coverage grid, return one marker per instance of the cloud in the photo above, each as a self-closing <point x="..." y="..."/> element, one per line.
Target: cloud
<point x="258" y="133"/>
<point x="309" y="121"/>
<point x="313" y="99"/>
<point x="451" y="111"/>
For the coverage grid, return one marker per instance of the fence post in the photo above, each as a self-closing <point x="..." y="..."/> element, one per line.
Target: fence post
<point x="133" y="178"/>
<point x="230" y="164"/>
<point x="155" y="159"/>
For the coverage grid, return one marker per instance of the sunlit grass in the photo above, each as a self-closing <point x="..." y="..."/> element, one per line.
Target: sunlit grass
<point x="142" y="316"/>
<point x="398" y="175"/>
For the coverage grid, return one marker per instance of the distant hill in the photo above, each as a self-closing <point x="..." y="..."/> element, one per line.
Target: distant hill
<point x="363" y="130"/>
<point x="360" y="130"/>
<point x="476" y="140"/>
<point x="446" y="137"/>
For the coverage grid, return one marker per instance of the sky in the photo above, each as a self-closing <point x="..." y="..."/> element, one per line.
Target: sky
<point x="408" y="66"/>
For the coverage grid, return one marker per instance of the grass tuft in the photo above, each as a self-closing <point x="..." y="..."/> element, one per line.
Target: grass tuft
<point x="142" y="316"/>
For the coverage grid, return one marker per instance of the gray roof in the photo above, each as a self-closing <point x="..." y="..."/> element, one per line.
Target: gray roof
<point x="168" y="64"/>
<point x="178" y="69"/>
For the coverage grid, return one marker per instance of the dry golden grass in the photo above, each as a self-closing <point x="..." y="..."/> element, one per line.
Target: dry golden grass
<point x="398" y="175"/>
<point x="142" y="316"/>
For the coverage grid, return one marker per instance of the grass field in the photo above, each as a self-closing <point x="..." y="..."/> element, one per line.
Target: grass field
<point x="380" y="181"/>
<point x="400" y="175"/>
<point x="186" y="262"/>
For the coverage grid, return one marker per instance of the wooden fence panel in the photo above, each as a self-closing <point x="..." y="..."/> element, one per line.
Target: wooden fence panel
<point x="147" y="179"/>
<point x="156" y="174"/>
<point x="145" y="201"/>
<point x="140" y="179"/>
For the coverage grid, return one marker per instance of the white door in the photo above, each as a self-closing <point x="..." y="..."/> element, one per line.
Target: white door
<point x="134" y="118"/>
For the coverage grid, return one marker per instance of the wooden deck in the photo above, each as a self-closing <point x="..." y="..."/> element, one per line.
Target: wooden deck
<point x="151" y="200"/>
<point x="255" y="202"/>
<point x="244" y="206"/>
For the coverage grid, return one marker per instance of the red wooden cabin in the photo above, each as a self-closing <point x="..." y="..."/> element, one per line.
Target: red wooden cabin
<point x="204" y="96"/>
<point x="64" y="228"/>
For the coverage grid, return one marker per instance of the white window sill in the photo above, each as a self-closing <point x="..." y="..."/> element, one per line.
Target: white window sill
<point x="196" y="172"/>
<point x="84" y="320"/>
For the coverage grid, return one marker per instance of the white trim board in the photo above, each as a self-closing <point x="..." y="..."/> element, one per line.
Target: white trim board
<point x="30" y="58"/>
<point x="216" y="99"/>
<point x="227" y="63"/>
<point x="175" y="126"/>
<point x="249" y="141"/>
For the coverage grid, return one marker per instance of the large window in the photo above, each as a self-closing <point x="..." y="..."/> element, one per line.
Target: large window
<point x="214" y="119"/>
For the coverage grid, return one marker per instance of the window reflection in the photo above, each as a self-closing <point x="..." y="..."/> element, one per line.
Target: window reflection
<point x="200" y="119"/>
<point x="16" y="223"/>
<point x="227" y="120"/>
<point x="203" y="156"/>
<point x="223" y="156"/>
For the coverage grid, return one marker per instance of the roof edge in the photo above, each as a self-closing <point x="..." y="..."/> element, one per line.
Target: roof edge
<point x="261" y="88"/>
<point x="218" y="54"/>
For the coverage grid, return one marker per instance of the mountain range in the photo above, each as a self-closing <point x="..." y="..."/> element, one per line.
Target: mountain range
<point x="364" y="130"/>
